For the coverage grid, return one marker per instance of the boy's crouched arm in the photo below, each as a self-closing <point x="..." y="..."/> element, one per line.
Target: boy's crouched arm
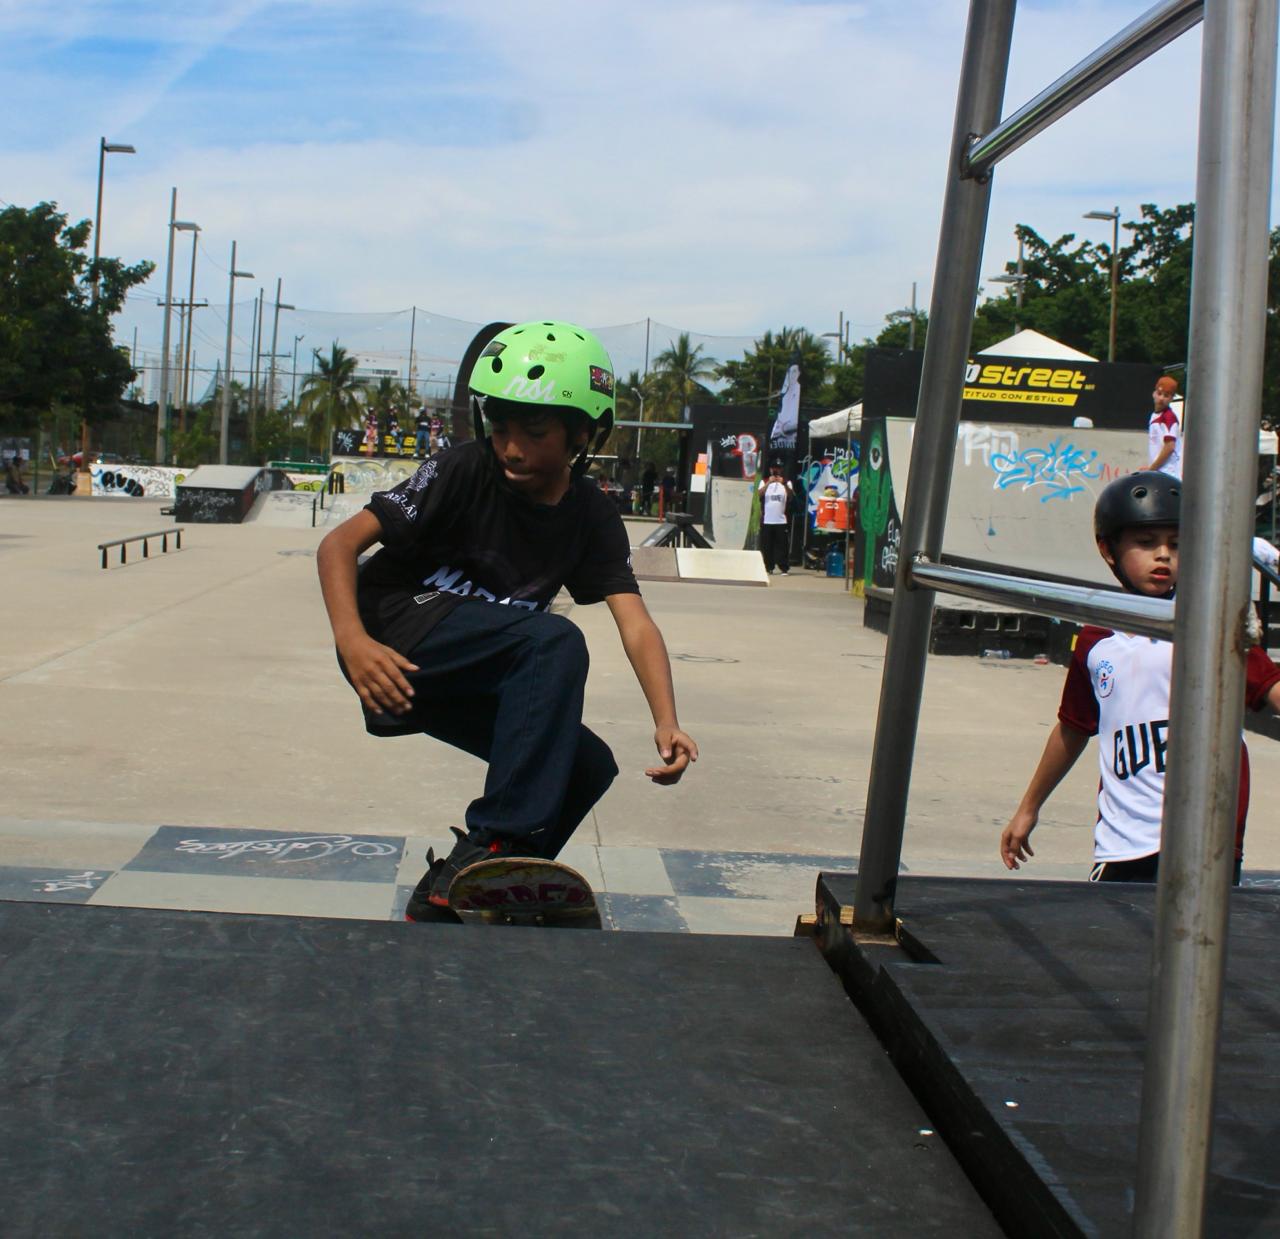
<point x="376" y="671"/>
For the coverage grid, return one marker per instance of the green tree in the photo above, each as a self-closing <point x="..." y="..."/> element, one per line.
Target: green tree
<point x="55" y="341"/>
<point x="388" y="394"/>
<point x="757" y="378"/>
<point x="677" y="381"/>
<point x="331" y="397"/>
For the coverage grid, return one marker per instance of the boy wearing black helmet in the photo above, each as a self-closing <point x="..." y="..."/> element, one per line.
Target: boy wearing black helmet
<point x="1117" y="688"/>
<point x="447" y="629"/>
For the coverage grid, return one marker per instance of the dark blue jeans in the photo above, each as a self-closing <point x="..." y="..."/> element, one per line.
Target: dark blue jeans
<point x="506" y="685"/>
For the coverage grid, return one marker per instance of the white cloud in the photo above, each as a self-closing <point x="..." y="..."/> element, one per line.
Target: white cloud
<point x="724" y="167"/>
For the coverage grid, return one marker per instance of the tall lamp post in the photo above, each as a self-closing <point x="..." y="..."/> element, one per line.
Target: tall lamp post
<point x="175" y="225"/>
<point x="1017" y="280"/>
<point x="1114" y="217"/>
<point x="105" y="148"/>
<point x="225" y="415"/>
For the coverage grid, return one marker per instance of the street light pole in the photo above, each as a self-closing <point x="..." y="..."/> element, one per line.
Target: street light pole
<point x="105" y="148"/>
<point x="1114" y="217"/>
<point x="226" y="375"/>
<point x="164" y="345"/>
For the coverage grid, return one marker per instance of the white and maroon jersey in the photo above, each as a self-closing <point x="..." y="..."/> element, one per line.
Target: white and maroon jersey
<point x="1117" y="689"/>
<point x="1162" y="428"/>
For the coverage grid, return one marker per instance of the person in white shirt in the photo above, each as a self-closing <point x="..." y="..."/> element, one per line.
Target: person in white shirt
<point x="775" y="533"/>
<point x="1117" y="689"/>
<point x="1164" y="431"/>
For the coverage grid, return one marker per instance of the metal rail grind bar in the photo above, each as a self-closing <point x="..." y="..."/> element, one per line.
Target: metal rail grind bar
<point x="1228" y="315"/>
<point x="123" y="543"/>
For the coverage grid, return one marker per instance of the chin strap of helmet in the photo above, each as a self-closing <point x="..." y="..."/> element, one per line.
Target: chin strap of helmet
<point x="591" y="448"/>
<point x="477" y="416"/>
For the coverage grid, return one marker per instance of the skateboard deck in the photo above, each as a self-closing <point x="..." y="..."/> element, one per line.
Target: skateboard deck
<point x="524" y="890"/>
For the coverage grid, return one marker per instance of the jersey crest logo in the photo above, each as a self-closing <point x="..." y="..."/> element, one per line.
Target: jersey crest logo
<point x="1105" y="679"/>
<point x="521" y="388"/>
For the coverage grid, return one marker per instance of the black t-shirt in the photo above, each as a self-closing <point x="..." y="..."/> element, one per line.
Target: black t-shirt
<point x="455" y="532"/>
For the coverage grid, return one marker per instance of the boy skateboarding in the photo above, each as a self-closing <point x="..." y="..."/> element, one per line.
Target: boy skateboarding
<point x="1117" y="688"/>
<point x="447" y="629"/>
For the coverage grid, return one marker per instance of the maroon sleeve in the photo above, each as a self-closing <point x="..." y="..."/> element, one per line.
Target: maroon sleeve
<point x="1260" y="673"/>
<point x="1079" y="707"/>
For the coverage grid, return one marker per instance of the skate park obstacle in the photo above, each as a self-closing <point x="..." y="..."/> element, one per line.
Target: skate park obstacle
<point x="144" y="538"/>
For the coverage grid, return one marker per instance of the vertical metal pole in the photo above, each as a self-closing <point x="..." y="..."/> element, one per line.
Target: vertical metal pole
<point x="97" y="218"/>
<point x="225" y="418"/>
<point x="1115" y="281"/>
<point x="911" y="334"/>
<point x="413" y="331"/>
<point x="164" y="345"/>
<point x="275" y="340"/>
<point x="955" y="290"/>
<point x="191" y="322"/>
<point x="1224" y="368"/>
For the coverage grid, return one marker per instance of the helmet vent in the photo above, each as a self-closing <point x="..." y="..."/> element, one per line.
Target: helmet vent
<point x="497" y="364"/>
<point x="1139" y="492"/>
<point x="536" y="372"/>
<point x="551" y="335"/>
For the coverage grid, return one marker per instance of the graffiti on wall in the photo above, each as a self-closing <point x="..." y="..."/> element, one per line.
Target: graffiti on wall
<point x="364" y="476"/>
<point x="1058" y="470"/>
<point x="137" y="481"/>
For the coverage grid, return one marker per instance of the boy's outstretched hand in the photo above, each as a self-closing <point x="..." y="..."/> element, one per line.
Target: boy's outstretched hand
<point x="677" y="750"/>
<point x="377" y="675"/>
<point x="1015" y="843"/>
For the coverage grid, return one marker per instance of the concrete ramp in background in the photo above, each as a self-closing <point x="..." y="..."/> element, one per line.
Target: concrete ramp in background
<point x="1023" y="495"/>
<point x="721" y="567"/>
<point x="284" y="509"/>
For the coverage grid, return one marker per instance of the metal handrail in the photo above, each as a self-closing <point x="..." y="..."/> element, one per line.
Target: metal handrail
<point x="123" y="543"/>
<point x="1143" y="37"/>
<point x="325" y="490"/>
<point x="1081" y="603"/>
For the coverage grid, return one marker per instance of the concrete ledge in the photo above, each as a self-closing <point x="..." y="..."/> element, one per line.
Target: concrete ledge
<point x="722" y="567"/>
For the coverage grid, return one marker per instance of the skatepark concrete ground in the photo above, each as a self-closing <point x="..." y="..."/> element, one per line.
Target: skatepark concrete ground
<point x="177" y="734"/>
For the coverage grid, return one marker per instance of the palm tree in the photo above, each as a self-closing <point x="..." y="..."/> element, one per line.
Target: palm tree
<point x="331" y="396"/>
<point x="677" y="377"/>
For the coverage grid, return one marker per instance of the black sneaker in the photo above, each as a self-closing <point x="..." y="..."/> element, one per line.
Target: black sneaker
<point x="431" y="895"/>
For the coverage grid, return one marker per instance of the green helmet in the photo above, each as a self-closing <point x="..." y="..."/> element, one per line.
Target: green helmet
<point x="544" y="363"/>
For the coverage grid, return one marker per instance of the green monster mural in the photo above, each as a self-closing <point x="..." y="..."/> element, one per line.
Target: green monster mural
<point x="875" y="496"/>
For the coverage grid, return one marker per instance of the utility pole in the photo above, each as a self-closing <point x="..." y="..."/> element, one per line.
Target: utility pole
<point x="191" y="314"/>
<point x="226" y="377"/>
<point x="911" y="332"/>
<point x="164" y="343"/>
<point x="275" y="335"/>
<point x="413" y="330"/>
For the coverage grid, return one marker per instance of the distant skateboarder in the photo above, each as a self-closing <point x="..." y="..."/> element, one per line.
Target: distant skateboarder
<point x="447" y="629"/>
<point x="1117" y="688"/>
<point x="775" y="533"/>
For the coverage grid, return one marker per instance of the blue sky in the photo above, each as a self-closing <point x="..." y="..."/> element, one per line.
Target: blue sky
<point x="724" y="167"/>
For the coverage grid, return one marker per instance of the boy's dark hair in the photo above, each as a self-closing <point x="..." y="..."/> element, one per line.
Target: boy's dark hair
<point x="574" y="421"/>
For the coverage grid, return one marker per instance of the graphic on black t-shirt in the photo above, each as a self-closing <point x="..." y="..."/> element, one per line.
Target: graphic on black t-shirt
<point x="455" y="532"/>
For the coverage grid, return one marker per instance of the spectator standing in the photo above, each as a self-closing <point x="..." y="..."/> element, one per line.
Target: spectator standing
<point x="1164" y="431"/>
<point x="775" y="532"/>
<point x="648" y="480"/>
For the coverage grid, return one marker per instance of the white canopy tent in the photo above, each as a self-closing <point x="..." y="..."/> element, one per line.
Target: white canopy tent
<point x="840" y="424"/>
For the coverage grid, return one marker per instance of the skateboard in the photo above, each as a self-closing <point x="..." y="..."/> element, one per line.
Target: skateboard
<point x="524" y="890"/>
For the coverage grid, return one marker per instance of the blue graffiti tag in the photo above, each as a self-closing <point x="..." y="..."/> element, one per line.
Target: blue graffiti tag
<point x="1060" y="467"/>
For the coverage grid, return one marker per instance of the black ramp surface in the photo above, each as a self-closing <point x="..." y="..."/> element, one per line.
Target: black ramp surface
<point x="1026" y="1040"/>
<point x="197" y="1074"/>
